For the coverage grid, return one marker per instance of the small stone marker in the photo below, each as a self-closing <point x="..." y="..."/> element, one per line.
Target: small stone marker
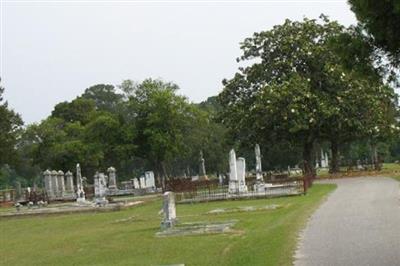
<point x="169" y="210"/>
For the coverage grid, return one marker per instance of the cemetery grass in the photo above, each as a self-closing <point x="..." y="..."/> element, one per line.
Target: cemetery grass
<point x="264" y="237"/>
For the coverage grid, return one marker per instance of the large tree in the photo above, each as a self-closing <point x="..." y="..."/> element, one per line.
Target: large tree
<point x="298" y="87"/>
<point x="162" y="118"/>
<point x="381" y="19"/>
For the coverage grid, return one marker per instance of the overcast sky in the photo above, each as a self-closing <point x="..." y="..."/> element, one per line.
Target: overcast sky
<point x="51" y="52"/>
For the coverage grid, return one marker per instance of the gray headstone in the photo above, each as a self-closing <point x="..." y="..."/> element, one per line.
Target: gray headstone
<point x="112" y="181"/>
<point x="54" y="183"/>
<point x="69" y="184"/>
<point x="258" y="163"/>
<point x="169" y="210"/>
<point x="61" y="183"/>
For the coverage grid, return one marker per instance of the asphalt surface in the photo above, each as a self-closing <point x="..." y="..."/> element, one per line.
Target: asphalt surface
<point x="359" y="224"/>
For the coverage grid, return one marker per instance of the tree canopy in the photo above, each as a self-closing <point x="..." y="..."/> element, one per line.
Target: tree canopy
<point x="299" y="87"/>
<point x="381" y="19"/>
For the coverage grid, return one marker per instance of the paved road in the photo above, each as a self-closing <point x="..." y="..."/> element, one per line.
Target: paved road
<point x="359" y="224"/>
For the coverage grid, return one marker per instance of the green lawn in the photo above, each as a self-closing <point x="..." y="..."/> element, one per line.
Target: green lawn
<point x="267" y="237"/>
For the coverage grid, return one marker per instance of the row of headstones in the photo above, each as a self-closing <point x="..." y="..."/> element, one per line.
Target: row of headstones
<point x="57" y="184"/>
<point x="143" y="182"/>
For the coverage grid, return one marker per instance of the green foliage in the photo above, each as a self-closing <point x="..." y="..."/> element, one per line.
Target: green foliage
<point x="79" y="110"/>
<point x="381" y="19"/>
<point x="304" y="84"/>
<point x="10" y="128"/>
<point x="149" y="127"/>
<point x="105" y="97"/>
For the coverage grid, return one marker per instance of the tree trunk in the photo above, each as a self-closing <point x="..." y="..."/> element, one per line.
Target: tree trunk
<point x="375" y="160"/>
<point x="309" y="170"/>
<point x="335" y="166"/>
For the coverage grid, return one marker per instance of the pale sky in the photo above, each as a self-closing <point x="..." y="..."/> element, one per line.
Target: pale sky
<point x="51" y="51"/>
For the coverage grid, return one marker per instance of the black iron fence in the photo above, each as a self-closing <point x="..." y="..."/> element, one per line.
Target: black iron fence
<point x="202" y="191"/>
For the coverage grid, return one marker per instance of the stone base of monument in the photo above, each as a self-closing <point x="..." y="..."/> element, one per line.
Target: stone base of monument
<point x="82" y="201"/>
<point x="260" y="186"/>
<point x="165" y="225"/>
<point x="200" y="228"/>
<point x="236" y="187"/>
<point x="67" y="208"/>
<point x="101" y="202"/>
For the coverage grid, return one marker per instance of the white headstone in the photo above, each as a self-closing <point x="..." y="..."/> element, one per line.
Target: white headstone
<point x="142" y="182"/>
<point x="136" y="184"/>
<point x="150" y="182"/>
<point x="241" y="174"/>
<point x="80" y="193"/>
<point x="258" y="163"/>
<point x="233" y="179"/>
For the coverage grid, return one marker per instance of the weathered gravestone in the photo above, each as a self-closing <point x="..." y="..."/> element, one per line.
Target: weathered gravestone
<point x="150" y="181"/>
<point x="169" y="210"/>
<point x="258" y="163"/>
<point x="233" y="179"/>
<point x="136" y="184"/>
<point x="241" y="174"/>
<point x="100" y="189"/>
<point x="202" y="167"/>
<point x="80" y="193"/>
<point x="54" y="183"/>
<point x="69" y="184"/>
<point x="237" y="174"/>
<point x="61" y="184"/>
<point x="259" y="186"/>
<point x="142" y="180"/>
<point x="48" y="184"/>
<point x="112" y="180"/>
